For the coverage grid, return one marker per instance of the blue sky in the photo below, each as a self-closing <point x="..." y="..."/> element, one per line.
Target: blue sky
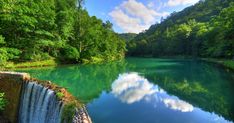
<point x="134" y="16"/>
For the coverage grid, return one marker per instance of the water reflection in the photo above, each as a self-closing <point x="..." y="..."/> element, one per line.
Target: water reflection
<point x="131" y="88"/>
<point x="177" y="104"/>
<point x="140" y="97"/>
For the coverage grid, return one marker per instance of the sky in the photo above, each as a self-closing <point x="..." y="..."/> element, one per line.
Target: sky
<point x="134" y="16"/>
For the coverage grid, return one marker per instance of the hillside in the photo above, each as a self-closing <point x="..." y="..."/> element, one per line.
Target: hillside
<point x="128" y="36"/>
<point x="204" y="30"/>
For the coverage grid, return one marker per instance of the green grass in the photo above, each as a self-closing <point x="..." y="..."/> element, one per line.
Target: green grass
<point x="10" y="65"/>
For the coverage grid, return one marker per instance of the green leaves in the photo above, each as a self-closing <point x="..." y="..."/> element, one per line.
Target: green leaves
<point x="70" y="53"/>
<point x="39" y="30"/>
<point x="203" y="30"/>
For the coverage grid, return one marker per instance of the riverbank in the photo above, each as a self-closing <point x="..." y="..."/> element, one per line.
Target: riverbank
<point x="53" y="63"/>
<point x="45" y="63"/>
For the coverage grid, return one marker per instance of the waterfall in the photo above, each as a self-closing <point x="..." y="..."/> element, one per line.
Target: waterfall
<point x="39" y="105"/>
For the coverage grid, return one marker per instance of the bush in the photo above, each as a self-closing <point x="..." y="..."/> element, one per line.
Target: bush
<point x="8" y="54"/>
<point x="71" y="53"/>
<point x="39" y="56"/>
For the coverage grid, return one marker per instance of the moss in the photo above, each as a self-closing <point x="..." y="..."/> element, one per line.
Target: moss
<point x="3" y="101"/>
<point x="68" y="112"/>
<point x="60" y="95"/>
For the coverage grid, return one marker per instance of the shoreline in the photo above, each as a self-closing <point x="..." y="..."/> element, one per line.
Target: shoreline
<point x="47" y="63"/>
<point x="227" y="63"/>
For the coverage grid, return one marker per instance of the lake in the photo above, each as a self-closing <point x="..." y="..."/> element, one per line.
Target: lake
<point x="148" y="90"/>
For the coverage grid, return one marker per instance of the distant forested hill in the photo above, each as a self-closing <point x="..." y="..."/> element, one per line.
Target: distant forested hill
<point x="205" y="29"/>
<point x="128" y="36"/>
<point x="37" y="30"/>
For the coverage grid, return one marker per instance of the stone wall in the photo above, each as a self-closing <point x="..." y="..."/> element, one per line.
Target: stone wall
<point x="10" y="84"/>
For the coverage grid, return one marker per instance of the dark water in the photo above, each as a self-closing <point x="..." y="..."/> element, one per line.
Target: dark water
<point x="139" y="90"/>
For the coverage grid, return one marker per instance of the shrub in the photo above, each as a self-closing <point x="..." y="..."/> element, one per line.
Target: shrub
<point x="71" y="53"/>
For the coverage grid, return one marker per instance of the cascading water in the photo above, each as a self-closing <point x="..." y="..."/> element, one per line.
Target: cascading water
<point x="39" y="105"/>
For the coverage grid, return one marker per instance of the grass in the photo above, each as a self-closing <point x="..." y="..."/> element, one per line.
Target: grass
<point x="11" y="65"/>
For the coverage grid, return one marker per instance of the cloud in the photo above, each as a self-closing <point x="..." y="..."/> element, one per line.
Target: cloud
<point x="151" y="4"/>
<point x="177" y="104"/>
<point x="181" y="2"/>
<point x="133" y="16"/>
<point x="130" y="88"/>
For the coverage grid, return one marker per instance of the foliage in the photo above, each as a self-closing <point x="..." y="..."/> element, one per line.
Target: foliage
<point x="7" y="53"/>
<point x="2" y="101"/>
<point x="56" y="29"/>
<point x="203" y="30"/>
<point x="68" y="112"/>
<point x="128" y="36"/>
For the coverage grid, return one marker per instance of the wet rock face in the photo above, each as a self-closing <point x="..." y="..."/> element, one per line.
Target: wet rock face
<point x="81" y="116"/>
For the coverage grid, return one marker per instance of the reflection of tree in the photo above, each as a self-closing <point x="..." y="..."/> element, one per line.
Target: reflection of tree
<point x="86" y="82"/>
<point x="199" y="95"/>
<point x="196" y="82"/>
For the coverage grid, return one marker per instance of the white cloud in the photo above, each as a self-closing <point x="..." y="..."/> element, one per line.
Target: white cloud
<point x="181" y="2"/>
<point x="133" y="16"/>
<point x="177" y="104"/>
<point x="151" y="4"/>
<point x="130" y="88"/>
<point x="128" y="24"/>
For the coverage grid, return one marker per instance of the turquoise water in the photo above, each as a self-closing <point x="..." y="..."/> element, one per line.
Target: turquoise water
<point x="147" y="90"/>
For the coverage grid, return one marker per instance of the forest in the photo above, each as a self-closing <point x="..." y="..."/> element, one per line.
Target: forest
<point x="61" y="30"/>
<point x="205" y="29"/>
